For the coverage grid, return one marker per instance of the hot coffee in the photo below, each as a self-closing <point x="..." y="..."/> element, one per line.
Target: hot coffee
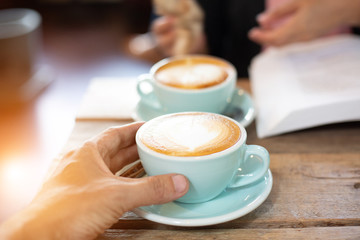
<point x="190" y="134"/>
<point x="195" y="72"/>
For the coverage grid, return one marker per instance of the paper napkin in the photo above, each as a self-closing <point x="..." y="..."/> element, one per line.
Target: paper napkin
<point x="109" y="98"/>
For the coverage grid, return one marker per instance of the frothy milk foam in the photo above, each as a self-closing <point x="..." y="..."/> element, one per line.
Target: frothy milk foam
<point x="190" y="134"/>
<point x="193" y="73"/>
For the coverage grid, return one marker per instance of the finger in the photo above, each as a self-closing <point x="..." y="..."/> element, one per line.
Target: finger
<point x="113" y="139"/>
<point x="261" y="36"/>
<point x="267" y="18"/>
<point x="266" y="37"/>
<point x="162" y="25"/>
<point x="279" y="36"/>
<point x="154" y="190"/>
<point x="124" y="157"/>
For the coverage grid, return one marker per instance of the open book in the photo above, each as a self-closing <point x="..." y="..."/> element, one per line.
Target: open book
<point x="306" y="84"/>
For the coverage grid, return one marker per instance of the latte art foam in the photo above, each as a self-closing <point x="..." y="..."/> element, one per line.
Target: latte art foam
<point x="192" y="73"/>
<point x="190" y="134"/>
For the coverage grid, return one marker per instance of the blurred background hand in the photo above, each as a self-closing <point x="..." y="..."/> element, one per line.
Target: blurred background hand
<point x="164" y="33"/>
<point x="303" y="20"/>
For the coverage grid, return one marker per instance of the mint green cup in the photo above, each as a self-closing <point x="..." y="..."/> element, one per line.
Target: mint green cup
<point x="169" y="99"/>
<point x="209" y="175"/>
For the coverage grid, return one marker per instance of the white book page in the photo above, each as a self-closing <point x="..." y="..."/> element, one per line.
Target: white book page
<point x="307" y="84"/>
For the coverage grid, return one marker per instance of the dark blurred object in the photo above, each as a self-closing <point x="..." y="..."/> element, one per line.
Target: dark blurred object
<point x="136" y="13"/>
<point x="20" y="46"/>
<point x="20" y="81"/>
<point x="356" y="30"/>
<point x="19" y="30"/>
<point x="227" y="24"/>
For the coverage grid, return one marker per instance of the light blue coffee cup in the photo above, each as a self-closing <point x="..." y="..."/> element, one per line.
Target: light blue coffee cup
<point x="169" y="99"/>
<point x="209" y="175"/>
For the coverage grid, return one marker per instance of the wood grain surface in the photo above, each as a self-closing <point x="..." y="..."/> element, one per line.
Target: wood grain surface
<point x="333" y="233"/>
<point x="315" y="194"/>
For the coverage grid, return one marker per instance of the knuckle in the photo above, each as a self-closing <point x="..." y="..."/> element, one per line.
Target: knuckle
<point x="159" y="188"/>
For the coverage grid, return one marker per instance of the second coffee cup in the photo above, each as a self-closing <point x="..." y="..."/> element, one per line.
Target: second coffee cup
<point x="189" y="83"/>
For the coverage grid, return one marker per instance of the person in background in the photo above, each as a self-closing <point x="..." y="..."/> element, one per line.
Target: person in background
<point x="225" y="27"/>
<point x="83" y="197"/>
<point x="237" y="30"/>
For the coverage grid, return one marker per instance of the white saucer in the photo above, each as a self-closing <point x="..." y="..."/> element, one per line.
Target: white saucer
<point x="241" y="109"/>
<point x="229" y="205"/>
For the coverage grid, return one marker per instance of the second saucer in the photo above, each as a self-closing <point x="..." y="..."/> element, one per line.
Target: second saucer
<point x="241" y="108"/>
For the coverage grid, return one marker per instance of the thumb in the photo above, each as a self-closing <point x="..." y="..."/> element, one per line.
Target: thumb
<point x="155" y="190"/>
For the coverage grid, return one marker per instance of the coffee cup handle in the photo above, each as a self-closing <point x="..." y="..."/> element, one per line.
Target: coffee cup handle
<point x="148" y="97"/>
<point x="257" y="161"/>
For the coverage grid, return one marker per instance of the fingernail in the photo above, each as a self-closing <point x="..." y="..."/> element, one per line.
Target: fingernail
<point x="180" y="183"/>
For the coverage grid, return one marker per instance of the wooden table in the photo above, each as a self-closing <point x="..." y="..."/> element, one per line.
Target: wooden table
<point x="315" y="195"/>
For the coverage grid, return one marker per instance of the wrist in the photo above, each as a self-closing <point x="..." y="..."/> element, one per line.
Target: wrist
<point x="23" y="225"/>
<point x="39" y="221"/>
